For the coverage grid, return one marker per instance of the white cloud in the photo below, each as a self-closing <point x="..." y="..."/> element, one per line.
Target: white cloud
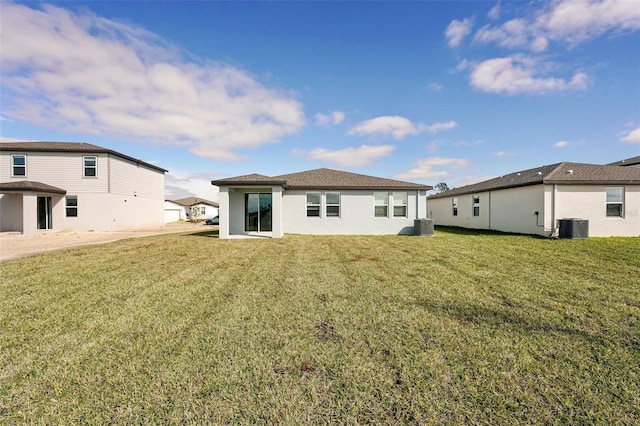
<point x="429" y="168"/>
<point x="632" y="137"/>
<point x="179" y="184"/>
<point x="567" y="21"/>
<point x="438" y="127"/>
<point x="561" y="144"/>
<point x="333" y="118"/>
<point x="396" y="127"/>
<point x="349" y="157"/>
<point x="78" y="72"/>
<point x="435" y="87"/>
<point x="494" y="13"/>
<point x="521" y="75"/>
<point x="503" y="154"/>
<point x="5" y="139"/>
<point x="457" y="31"/>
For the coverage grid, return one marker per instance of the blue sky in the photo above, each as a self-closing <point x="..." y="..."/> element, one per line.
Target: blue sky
<point x="427" y="92"/>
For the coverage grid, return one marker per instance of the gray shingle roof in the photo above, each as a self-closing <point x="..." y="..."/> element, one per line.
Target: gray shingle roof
<point x="30" y="186"/>
<point x="560" y="173"/>
<point x="633" y="161"/>
<point x="192" y="201"/>
<point x="80" y="147"/>
<point x="322" y="179"/>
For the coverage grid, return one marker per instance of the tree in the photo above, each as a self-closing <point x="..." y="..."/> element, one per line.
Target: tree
<point x="441" y="187"/>
<point x="195" y="214"/>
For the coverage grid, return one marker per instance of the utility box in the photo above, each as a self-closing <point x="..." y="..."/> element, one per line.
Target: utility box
<point x="423" y="227"/>
<point x="577" y="229"/>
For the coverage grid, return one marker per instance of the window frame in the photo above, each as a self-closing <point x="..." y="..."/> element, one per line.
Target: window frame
<point x="203" y="210"/>
<point x="405" y="205"/>
<point x="14" y="166"/>
<point x="314" y="206"/>
<point x="376" y="205"/>
<point x="611" y="203"/>
<point x="85" y="167"/>
<point x="475" y="205"/>
<point x="327" y="204"/>
<point x="454" y="206"/>
<point x="68" y="207"/>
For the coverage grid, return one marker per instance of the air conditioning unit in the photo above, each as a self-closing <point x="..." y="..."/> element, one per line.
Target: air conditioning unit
<point x="577" y="229"/>
<point x="423" y="227"/>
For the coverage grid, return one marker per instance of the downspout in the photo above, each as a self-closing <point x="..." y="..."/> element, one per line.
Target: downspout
<point x="553" y="209"/>
<point x="489" y="209"/>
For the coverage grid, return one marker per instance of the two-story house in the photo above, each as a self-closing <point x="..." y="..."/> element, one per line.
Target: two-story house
<point x="76" y="187"/>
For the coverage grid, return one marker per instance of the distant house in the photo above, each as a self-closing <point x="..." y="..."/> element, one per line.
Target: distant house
<point x="532" y="201"/>
<point x="321" y="201"/>
<point x="76" y="187"/>
<point x="184" y="208"/>
<point x="629" y="162"/>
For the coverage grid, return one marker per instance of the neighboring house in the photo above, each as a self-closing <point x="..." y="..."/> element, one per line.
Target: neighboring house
<point x="629" y="162"/>
<point x="205" y="209"/>
<point x="532" y="201"/>
<point x="76" y="187"/>
<point x="174" y="212"/>
<point x="321" y="201"/>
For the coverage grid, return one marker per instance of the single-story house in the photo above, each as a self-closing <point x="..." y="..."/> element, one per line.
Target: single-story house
<point x="174" y="212"/>
<point x="628" y="162"/>
<point x="76" y="187"/>
<point x="534" y="201"/>
<point x="321" y="201"/>
<point x="184" y="209"/>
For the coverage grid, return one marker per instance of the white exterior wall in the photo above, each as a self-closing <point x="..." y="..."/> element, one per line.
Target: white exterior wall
<point x="440" y="210"/>
<point x="173" y="212"/>
<point x="209" y="211"/>
<point x="11" y="212"/>
<point x="589" y="202"/>
<point x="512" y="210"/>
<point x="356" y="215"/>
<point x="123" y="195"/>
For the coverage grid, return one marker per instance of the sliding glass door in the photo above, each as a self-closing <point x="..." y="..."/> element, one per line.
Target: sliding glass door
<point x="257" y="212"/>
<point x="44" y="213"/>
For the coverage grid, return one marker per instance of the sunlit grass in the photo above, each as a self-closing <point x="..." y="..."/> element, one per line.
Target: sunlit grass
<point x="459" y="328"/>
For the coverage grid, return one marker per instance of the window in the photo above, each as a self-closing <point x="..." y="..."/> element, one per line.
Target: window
<point x="71" y="204"/>
<point x="454" y="206"/>
<point x="18" y="165"/>
<point x="203" y="210"/>
<point x="615" y="201"/>
<point x="333" y="204"/>
<point x="313" y="204"/>
<point x="90" y="165"/>
<point x="400" y="204"/>
<point x="476" y="205"/>
<point x="381" y="204"/>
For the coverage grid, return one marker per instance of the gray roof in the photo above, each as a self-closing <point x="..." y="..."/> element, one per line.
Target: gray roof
<point x="560" y="173"/>
<point x="322" y="179"/>
<point x="633" y="161"/>
<point x="192" y="201"/>
<point x="76" y="147"/>
<point x="29" y="186"/>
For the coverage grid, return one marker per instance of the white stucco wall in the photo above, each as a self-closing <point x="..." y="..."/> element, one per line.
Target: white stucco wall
<point x="512" y="210"/>
<point x="356" y="215"/>
<point x="589" y="202"/>
<point x="11" y="212"/>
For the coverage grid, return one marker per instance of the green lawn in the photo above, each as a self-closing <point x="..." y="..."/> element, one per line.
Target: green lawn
<point x="459" y="328"/>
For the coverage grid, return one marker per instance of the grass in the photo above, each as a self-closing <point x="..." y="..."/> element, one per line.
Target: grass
<point x="461" y="328"/>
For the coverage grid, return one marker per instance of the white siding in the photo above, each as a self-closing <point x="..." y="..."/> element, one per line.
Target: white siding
<point x="123" y="195"/>
<point x="11" y="212"/>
